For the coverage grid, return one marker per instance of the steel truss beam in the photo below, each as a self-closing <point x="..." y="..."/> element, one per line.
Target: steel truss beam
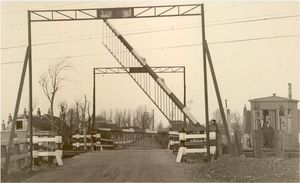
<point x="125" y="70"/>
<point x="115" y="13"/>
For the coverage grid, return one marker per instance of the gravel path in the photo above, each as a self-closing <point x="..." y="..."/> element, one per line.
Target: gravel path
<point x="120" y="166"/>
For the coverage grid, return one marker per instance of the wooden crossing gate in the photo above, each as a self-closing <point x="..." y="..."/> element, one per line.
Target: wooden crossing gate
<point x="124" y="138"/>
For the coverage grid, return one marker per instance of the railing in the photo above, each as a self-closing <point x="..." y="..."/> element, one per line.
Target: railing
<point x="82" y="141"/>
<point x="43" y="146"/>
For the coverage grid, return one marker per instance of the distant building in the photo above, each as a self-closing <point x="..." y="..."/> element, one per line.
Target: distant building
<point x="282" y="114"/>
<point x="40" y="122"/>
<point x="104" y="124"/>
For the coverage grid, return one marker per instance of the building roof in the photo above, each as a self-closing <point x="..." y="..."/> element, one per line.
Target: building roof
<point x="41" y="123"/>
<point x="273" y="98"/>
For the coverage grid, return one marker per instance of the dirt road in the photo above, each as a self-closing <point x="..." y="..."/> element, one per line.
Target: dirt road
<point x="119" y="166"/>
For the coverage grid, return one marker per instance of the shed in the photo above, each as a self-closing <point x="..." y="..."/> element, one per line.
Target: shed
<point x="282" y="114"/>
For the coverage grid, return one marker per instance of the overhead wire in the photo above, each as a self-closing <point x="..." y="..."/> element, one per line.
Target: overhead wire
<point x="208" y="25"/>
<point x="178" y="46"/>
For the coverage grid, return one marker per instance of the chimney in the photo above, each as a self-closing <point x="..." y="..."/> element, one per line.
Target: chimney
<point x="3" y="125"/>
<point x="9" y="118"/>
<point x="274" y="94"/>
<point x="290" y="91"/>
<point x="38" y="112"/>
<point x="49" y="112"/>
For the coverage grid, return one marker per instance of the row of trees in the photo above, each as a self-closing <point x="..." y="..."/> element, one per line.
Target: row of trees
<point x="78" y="116"/>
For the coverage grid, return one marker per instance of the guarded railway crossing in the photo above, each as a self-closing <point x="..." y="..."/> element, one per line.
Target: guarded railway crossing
<point x="168" y="103"/>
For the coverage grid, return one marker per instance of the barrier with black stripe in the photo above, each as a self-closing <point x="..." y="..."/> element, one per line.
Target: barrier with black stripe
<point x="99" y="143"/>
<point x="194" y="143"/>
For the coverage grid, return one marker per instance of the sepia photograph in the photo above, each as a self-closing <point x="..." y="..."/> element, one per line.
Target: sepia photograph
<point x="150" y="91"/>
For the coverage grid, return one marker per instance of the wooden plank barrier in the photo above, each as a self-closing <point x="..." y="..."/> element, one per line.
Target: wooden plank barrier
<point x="194" y="142"/>
<point x="20" y="156"/>
<point x="99" y="143"/>
<point x="52" y="143"/>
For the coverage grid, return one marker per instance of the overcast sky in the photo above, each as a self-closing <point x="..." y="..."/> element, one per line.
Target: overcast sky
<point x="254" y="46"/>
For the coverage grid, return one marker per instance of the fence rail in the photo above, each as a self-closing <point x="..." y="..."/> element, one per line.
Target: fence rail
<point x="194" y="141"/>
<point x="20" y="150"/>
<point x="20" y="155"/>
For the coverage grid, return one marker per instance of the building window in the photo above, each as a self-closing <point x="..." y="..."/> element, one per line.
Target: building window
<point x="285" y="121"/>
<point x="289" y="122"/>
<point x="257" y="113"/>
<point x="257" y="123"/>
<point x="19" y="125"/>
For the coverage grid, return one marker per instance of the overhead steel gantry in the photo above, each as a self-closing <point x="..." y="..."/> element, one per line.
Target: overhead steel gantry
<point x="155" y="94"/>
<point x="114" y="13"/>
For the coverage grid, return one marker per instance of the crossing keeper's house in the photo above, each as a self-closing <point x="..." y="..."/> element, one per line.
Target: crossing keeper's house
<point x="282" y="113"/>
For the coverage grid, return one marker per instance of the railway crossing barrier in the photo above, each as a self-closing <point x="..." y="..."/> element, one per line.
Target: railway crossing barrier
<point x="99" y="144"/>
<point x="194" y="142"/>
<point x="47" y="144"/>
<point x="43" y="144"/>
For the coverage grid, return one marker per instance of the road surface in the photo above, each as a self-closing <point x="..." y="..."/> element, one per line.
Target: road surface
<point x="119" y="166"/>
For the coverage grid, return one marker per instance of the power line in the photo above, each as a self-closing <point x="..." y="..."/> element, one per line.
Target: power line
<point x="145" y="32"/>
<point x="169" y="47"/>
<point x="44" y="7"/>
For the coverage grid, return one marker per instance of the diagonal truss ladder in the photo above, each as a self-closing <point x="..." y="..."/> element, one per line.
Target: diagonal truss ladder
<point x="152" y="85"/>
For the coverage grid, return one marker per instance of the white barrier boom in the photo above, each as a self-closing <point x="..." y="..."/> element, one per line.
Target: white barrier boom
<point x="195" y="138"/>
<point x="57" y="153"/>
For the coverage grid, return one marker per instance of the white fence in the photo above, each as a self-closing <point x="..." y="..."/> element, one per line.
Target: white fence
<point x="196" y="142"/>
<point x="20" y="151"/>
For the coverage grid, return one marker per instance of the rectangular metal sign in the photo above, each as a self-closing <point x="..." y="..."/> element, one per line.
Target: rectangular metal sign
<point x="115" y="13"/>
<point x="138" y="70"/>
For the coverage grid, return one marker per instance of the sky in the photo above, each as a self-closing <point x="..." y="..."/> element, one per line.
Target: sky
<point x="254" y="47"/>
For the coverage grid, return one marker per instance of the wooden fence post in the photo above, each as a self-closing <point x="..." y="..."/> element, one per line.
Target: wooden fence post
<point x="279" y="145"/>
<point x="3" y="151"/>
<point x="26" y="152"/>
<point x="238" y="143"/>
<point x="17" y="151"/>
<point x="219" y="143"/>
<point x="258" y="145"/>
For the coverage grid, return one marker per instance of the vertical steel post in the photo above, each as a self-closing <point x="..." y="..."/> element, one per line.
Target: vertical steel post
<point x="184" y="95"/>
<point x="205" y="83"/>
<point x="94" y="109"/>
<point x="30" y="89"/>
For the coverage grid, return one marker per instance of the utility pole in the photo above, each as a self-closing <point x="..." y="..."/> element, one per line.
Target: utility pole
<point x="153" y="119"/>
<point x="228" y="116"/>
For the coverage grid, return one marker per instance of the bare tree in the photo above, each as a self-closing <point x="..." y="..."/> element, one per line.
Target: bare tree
<point x="126" y="118"/>
<point x="102" y="115"/>
<point x="65" y="132"/>
<point x="143" y="118"/>
<point x="160" y="126"/>
<point x="237" y="127"/>
<point x="90" y="117"/>
<point x="51" y="81"/>
<point x="63" y="107"/>
<point x="216" y="115"/>
<point x="83" y="111"/>
<point x="118" y="117"/>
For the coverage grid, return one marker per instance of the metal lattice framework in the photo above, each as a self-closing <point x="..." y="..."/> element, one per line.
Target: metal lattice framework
<point x="116" y="13"/>
<point x="113" y="13"/>
<point x="149" y="87"/>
